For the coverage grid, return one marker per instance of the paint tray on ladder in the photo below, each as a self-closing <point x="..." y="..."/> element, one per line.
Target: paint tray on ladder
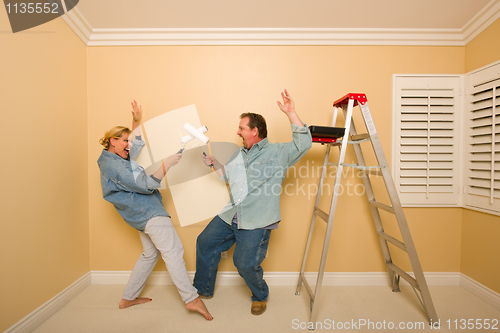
<point x="326" y="134"/>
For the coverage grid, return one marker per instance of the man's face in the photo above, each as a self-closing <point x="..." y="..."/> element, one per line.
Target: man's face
<point x="249" y="136"/>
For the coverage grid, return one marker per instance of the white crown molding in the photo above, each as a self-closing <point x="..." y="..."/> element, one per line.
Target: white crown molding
<point x="482" y="20"/>
<point x="282" y="36"/>
<point x="78" y="24"/>
<point x="275" y="36"/>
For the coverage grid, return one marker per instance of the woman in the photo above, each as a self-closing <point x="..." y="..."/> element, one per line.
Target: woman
<point x="136" y="197"/>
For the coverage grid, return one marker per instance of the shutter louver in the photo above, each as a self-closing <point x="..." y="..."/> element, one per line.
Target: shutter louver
<point x="483" y="181"/>
<point x="426" y="148"/>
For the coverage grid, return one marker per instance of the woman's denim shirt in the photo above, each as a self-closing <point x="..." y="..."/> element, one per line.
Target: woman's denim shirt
<point x="125" y="184"/>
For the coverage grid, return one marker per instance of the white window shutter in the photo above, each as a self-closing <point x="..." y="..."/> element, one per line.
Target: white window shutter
<point x="426" y="148"/>
<point x="482" y="148"/>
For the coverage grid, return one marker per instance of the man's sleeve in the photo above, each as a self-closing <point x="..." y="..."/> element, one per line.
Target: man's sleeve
<point x="301" y="143"/>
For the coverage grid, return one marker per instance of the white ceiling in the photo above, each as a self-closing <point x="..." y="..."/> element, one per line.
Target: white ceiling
<point x="414" y="14"/>
<point x="150" y="22"/>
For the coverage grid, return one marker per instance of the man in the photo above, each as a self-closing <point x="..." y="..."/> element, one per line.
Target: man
<point x="255" y="174"/>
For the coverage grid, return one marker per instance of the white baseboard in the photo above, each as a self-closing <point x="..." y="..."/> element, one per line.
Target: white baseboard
<point x="282" y="278"/>
<point x="46" y="310"/>
<point x="484" y="293"/>
<point x="370" y="279"/>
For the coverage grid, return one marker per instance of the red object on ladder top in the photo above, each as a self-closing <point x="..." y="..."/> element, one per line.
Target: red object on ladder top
<point x="323" y="140"/>
<point x="361" y="98"/>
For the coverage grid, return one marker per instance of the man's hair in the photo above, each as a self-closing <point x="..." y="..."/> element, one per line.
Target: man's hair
<point x="256" y="120"/>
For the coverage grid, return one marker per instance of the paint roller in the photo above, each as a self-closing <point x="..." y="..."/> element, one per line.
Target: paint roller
<point x="194" y="133"/>
<point x="187" y="138"/>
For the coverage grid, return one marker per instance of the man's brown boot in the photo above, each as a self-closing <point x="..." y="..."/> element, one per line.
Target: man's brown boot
<point x="258" y="308"/>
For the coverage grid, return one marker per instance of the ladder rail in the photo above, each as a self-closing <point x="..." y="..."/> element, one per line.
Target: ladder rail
<point x="400" y="216"/>
<point x="333" y="206"/>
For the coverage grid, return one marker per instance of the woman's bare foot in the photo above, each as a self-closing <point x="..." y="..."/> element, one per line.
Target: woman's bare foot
<point x="198" y="305"/>
<point x="126" y="303"/>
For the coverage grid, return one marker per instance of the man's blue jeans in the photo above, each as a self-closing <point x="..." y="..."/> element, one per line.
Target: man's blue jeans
<point x="249" y="252"/>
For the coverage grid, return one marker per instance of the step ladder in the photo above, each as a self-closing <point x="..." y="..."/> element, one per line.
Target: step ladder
<point x="347" y="104"/>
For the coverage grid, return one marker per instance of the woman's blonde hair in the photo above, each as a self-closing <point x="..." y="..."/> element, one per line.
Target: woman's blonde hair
<point x="115" y="132"/>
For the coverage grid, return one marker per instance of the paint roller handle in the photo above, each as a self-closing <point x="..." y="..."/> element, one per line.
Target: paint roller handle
<point x="211" y="164"/>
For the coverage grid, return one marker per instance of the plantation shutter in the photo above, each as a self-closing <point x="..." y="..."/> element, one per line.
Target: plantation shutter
<point x="482" y="179"/>
<point x="426" y="148"/>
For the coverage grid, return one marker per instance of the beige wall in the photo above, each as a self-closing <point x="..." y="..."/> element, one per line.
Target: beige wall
<point x="44" y="239"/>
<point x="481" y="248"/>
<point x="224" y="81"/>
<point x="481" y="232"/>
<point x="484" y="49"/>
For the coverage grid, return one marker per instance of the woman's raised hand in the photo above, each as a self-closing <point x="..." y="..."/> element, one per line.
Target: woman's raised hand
<point x="136" y="111"/>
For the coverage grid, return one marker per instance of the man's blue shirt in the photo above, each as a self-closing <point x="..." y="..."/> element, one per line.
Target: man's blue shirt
<point x="255" y="177"/>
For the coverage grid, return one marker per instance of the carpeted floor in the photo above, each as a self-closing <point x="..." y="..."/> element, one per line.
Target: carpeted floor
<point x="360" y="309"/>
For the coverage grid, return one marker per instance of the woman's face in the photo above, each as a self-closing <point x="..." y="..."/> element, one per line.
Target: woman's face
<point x="120" y="145"/>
